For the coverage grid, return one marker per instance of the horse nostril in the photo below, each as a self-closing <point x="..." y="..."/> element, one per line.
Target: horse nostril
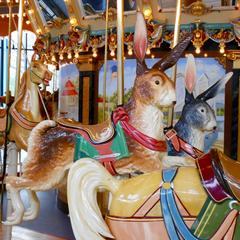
<point x="174" y="102"/>
<point x="215" y="127"/>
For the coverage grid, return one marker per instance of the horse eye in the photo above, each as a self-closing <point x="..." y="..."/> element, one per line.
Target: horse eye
<point x="157" y="82"/>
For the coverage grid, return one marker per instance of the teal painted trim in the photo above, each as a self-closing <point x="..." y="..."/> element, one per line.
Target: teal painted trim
<point x="102" y="31"/>
<point x="211" y="26"/>
<point x="119" y="144"/>
<point x="83" y="148"/>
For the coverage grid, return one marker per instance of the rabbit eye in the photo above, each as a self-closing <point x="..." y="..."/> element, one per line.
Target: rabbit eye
<point x="157" y="82"/>
<point x="202" y="110"/>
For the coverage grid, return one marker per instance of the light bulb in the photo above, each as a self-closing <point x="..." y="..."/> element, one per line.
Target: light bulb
<point x="53" y="58"/>
<point x="69" y="55"/>
<point x="112" y="53"/>
<point x="130" y="52"/>
<point x="94" y="53"/>
<point x="76" y="55"/>
<point x="148" y="52"/>
<point x="222" y="50"/>
<point x="198" y="50"/>
<point x="61" y="57"/>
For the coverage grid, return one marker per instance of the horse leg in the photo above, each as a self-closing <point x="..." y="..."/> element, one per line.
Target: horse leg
<point x="32" y="212"/>
<point x="17" y="204"/>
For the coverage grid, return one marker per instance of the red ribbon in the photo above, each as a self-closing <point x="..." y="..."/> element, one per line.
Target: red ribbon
<point x="156" y="145"/>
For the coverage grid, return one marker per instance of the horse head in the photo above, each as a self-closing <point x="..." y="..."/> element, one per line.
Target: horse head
<point x="153" y="86"/>
<point x="39" y="73"/>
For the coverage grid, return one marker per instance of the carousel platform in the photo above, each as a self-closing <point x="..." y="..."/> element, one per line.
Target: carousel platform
<point x="51" y="224"/>
<point x="20" y="233"/>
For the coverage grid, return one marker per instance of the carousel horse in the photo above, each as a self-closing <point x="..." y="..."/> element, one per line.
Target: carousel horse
<point x="26" y="110"/>
<point x="51" y="144"/>
<point x="175" y="203"/>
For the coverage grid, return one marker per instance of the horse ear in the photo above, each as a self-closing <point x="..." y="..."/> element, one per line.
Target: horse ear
<point x="140" y="43"/>
<point x="174" y="55"/>
<point x="190" y="74"/>
<point x="215" y="88"/>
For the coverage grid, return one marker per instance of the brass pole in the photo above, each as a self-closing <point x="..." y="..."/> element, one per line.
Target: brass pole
<point x="175" y="42"/>
<point x="120" y="51"/>
<point x="105" y="62"/>
<point x="20" y="28"/>
<point x="9" y="51"/>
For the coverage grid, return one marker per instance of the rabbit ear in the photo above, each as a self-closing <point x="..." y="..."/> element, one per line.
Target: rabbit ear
<point x="215" y="88"/>
<point x="190" y="74"/>
<point x="140" y="37"/>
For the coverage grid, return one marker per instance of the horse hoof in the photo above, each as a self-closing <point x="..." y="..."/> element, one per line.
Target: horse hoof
<point x="12" y="217"/>
<point x="29" y="216"/>
<point x="11" y="222"/>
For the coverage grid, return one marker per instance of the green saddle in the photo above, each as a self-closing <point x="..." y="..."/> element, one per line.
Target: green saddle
<point x="115" y="148"/>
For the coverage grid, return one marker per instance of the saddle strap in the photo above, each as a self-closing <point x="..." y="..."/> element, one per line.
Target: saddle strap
<point x="171" y="215"/>
<point x="173" y="220"/>
<point x="179" y="144"/>
<point x="210" y="182"/>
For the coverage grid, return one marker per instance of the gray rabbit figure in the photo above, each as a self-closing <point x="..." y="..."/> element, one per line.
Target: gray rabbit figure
<point x="197" y="120"/>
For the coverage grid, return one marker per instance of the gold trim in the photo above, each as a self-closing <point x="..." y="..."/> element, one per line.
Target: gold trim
<point x="197" y="8"/>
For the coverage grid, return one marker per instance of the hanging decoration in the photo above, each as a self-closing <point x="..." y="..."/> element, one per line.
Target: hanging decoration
<point x="199" y="37"/>
<point x="221" y="36"/>
<point x="68" y="48"/>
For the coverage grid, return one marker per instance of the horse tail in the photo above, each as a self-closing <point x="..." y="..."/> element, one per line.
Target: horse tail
<point x="85" y="177"/>
<point x="36" y="135"/>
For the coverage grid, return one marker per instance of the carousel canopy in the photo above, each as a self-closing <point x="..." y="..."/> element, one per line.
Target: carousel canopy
<point x="67" y="28"/>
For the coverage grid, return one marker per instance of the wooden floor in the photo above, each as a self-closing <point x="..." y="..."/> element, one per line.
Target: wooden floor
<point x="20" y="233"/>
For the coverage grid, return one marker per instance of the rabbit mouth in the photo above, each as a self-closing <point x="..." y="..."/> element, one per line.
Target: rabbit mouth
<point x="172" y="104"/>
<point x="213" y="129"/>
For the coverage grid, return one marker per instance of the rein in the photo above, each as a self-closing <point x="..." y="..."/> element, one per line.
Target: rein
<point x="32" y="72"/>
<point x="121" y="115"/>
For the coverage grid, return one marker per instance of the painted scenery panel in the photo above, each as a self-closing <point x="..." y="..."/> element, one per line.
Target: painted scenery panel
<point x="69" y="91"/>
<point x="208" y="72"/>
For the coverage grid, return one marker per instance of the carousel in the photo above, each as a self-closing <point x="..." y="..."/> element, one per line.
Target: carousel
<point x="120" y="119"/>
